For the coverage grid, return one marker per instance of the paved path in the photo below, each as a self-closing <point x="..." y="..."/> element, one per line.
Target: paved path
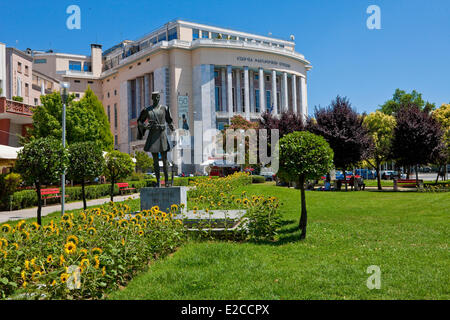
<point x="31" y="212"/>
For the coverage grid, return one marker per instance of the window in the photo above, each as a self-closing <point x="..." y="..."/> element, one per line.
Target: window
<point x="162" y="37"/>
<point x="195" y="34"/>
<point x="268" y="78"/>
<point x="36" y="101"/>
<point x="234" y="99"/>
<point x="216" y="74"/>
<point x="218" y="96"/>
<point x="108" y="94"/>
<point x="77" y="95"/>
<point x="26" y="70"/>
<point x="109" y="114"/>
<point x="153" y="40"/>
<point x="214" y="35"/>
<point x="87" y="67"/>
<point x="19" y="67"/>
<point x="256" y="76"/>
<point x="115" y="116"/>
<point x="243" y="99"/>
<point x="75" y="65"/>
<point x="37" y="61"/>
<point x="27" y="90"/>
<point x="90" y="82"/>
<point x="77" y="81"/>
<point x="257" y="100"/>
<point x="115" y="92"/>
<point x="268" y="101"/>
<point x="172" y="34"/>
<point x="205" y="34"/>
<point x="116" y="142"/>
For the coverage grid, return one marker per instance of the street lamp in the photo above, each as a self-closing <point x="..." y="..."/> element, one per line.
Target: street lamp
<point x="64" y="87"/>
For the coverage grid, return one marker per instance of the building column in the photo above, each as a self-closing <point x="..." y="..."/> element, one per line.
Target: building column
<point x="238" y="91"/>
<point x="230" y="92"/>
<point x="262" y="100"/>
<point x="252" y="91"/>
<point x="223" y="88"/>
<point x="138" y="96"/>
<point x="294" y="93"/>
<point x="4" y="131"/>
<point x="274" y="92"/>
<point x="303" y="98"/>
<point x="284" y="92"/>
<point x="146" y="90"/>
<point x="246" y="94"/>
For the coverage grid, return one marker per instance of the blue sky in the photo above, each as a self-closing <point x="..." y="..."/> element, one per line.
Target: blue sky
<point x="411" y="51"/>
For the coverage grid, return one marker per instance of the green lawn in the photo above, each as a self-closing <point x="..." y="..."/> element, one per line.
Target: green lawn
<point x="405" y="234"/>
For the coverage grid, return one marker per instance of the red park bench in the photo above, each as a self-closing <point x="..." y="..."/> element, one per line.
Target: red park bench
<point x="124" y="186"/>
<point x="407" y="183"/>
<point x="50" y="194"/>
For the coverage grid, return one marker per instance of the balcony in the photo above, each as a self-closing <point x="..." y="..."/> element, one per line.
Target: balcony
<point x="15" y="108"/>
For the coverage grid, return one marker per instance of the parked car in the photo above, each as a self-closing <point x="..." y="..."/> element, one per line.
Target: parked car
<point x="366" y="173"/>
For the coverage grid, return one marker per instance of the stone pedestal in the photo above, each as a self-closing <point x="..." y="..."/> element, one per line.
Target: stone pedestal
<point x="163" y="197"/>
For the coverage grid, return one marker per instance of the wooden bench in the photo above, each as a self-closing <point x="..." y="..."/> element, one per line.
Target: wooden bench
<point x="124" y="186"/>
<point x="407" y="183"/>
<point x="50" y="193"/>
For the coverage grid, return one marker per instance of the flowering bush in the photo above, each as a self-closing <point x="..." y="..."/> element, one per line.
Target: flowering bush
<point x="83" y="255"/>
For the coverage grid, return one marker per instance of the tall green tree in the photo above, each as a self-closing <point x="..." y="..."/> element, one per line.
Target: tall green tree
<point x="143" y="161"/>
<point x="86" y="162"/>
<point x="81" y="123"/>
<point x="402" y="99"/>
<point x="91" y="102"/>
<point x="41" y="162"/>
<point x="381" y="128"/>
<point x="304" y="155"/>
<point x="118" y="166"/>
<point x="442" y="115"/>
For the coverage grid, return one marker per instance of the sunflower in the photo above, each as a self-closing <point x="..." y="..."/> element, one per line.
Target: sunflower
<point x="25" y="235"/>
<point x="3" y="242"/>
<point x="123" y="241"/>
<point x="61" y="260"/>
<point x="97" y="251"/>
<point x="6" y="228"/>
<point x="97" y="262"/>
<point x="24" y="284"/>
<point x="64" y="277"/>
<point x="73" y="239"/>
<point x="84" y="251"/>
<point x="174" y="207"/>
<point x="245" y="201"/>
<point x="21" y="224"/>
<point x="123" y="223"/>
<point x="35" y="226"/>
<point x="49" y="259"/>
<point x="36" y="275"/>
<point x="68" y="224"/>
<point x="70" y="247"/>
<point x="65" y="217"/>
<point x="103" y="271"/>
<point x="23" y="275"/>
<point x="15" y="245"/>
<point x="5" y="253"/>
<point x="27" y="264"/>
<point x="53" y="283"/>
<point x="133" y="220"/>
<point x="141" y="233"/>
<point x="91" y="231"/>
<point x="84" y="263"/>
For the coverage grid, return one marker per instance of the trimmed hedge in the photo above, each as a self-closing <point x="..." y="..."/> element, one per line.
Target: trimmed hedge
<point x="28" y="198"/>
<point x="258" y="179"/>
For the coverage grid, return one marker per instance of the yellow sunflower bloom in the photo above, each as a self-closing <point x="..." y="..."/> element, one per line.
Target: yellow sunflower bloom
<point x="70" y="247"/>
<point x="64" y="277"/>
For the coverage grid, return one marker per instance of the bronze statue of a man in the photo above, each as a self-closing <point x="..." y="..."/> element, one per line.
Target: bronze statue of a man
<point x="157" y="117"/>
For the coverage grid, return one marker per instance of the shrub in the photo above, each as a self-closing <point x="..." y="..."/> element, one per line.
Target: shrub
<point x="103" y="247"/>
<point x="8" y="184"/>
<point x="258" y="179"/>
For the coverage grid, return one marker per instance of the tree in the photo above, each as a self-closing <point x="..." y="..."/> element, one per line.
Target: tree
<point x="41" y="162"/>
<point x="143" y="161"/>
<point x="81" y="123"/>
<point x="118" y="166"/>
<point x="402" y="99"/>
<point x="86" y="162"/>
<point x="287" y="122"/>
<point x="442" y="115"/>
<point x="342" y="127"/>
<point x="8" y="185"/>
<point x="304" y="155"/>
<point x="380" y="127"/>
<point x="91" y="102"/>
<point x="417" y="138"/>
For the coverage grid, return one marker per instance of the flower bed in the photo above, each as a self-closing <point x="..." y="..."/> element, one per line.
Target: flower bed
<point x="83" y="255"/>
